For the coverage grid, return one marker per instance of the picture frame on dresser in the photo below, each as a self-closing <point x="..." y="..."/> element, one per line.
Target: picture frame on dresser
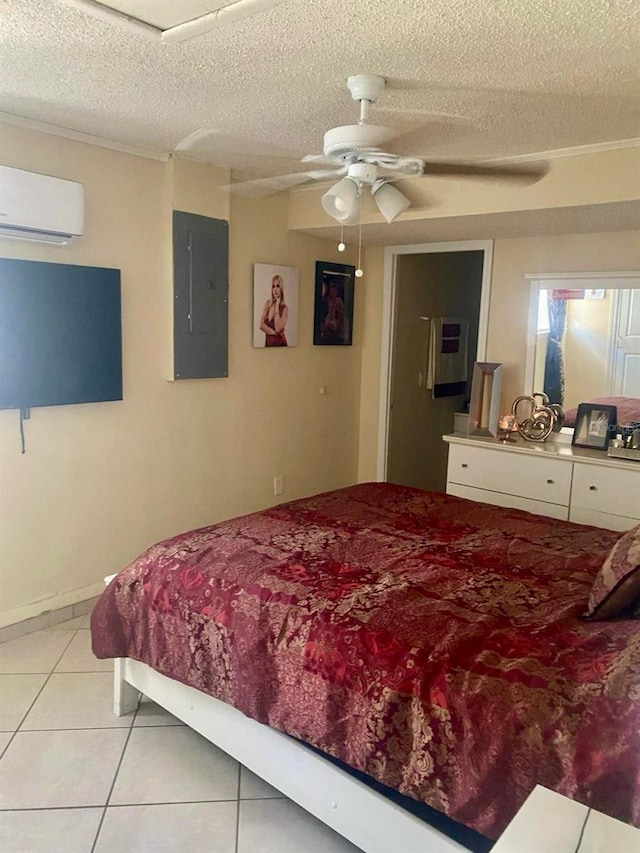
<point x="484" y="407"/>
<point x="595" y="425"/>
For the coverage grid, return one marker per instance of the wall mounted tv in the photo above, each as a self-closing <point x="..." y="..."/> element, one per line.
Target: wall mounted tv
<point x="60" y="334"/>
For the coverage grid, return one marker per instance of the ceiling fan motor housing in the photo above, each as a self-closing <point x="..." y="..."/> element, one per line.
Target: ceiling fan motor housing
<point x="343" y="144"/>
<point x="366" y="87"/>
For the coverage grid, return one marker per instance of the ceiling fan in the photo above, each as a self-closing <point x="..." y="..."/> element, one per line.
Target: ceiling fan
<point x="355" y="154"/>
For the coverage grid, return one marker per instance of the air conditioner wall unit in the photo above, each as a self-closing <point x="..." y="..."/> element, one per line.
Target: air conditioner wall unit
<point x="40" y="207"/>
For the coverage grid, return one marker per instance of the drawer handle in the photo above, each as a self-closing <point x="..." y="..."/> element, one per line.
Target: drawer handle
<point x="464" y="465"/>
<point x="550" y="482"/>
<point x="593" y="488"/>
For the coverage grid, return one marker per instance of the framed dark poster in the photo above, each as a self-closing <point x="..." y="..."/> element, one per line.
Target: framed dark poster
<point x="333" y="316"/>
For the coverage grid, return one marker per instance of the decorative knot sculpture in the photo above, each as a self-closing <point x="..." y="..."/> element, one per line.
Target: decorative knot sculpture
<point x="536" y="422"/>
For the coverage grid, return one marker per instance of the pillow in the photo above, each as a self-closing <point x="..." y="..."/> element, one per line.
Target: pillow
<point x="616" y="589"/>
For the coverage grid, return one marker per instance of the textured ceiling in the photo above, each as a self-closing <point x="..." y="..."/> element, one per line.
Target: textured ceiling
<point x="467" y="78"/>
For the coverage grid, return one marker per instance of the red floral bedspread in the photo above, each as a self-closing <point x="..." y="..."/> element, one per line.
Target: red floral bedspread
<point x="429" y="641"/>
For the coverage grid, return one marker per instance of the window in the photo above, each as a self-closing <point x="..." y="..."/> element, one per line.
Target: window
<point x="543" y="312"/>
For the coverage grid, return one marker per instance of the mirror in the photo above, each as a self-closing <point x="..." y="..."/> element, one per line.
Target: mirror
<point x="584" y="341"/>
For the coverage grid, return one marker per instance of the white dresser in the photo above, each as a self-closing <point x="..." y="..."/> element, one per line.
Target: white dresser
<point x="551" y="478"/>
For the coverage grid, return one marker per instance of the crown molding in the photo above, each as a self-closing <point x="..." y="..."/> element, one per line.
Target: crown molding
<point x="79" y="136"/>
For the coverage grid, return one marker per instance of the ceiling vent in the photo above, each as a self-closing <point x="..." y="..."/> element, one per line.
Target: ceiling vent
<point x="169" y="21"/>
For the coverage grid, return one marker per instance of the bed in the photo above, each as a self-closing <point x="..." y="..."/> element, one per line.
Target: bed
<point x="426" y="641"/>
<point x="628" y="409"/>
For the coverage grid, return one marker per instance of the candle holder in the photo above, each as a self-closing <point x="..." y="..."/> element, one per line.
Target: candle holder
<point x="507" y="426"/>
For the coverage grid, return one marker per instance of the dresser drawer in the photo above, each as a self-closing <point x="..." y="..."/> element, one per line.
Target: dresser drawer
<point x="528" y="476"/>
<point x="601" y="519"/>
<point x="601" y="489"/>
<point x="512" y="501"/>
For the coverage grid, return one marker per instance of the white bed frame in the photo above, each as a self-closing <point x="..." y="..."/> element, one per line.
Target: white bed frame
<point x="351" y="808"/>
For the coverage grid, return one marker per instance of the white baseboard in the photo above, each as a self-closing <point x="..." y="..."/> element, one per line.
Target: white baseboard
<point x="46" y="605"/>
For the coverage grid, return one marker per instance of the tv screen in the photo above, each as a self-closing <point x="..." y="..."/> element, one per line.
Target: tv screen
<point x="60" y="334"/>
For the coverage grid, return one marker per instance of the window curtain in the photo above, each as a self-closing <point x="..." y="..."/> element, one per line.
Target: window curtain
<point x="554" y="363"/>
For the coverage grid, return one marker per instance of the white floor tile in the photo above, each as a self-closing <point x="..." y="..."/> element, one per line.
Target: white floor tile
<point x="150" y="714"/>
<point x="252" y="787"/>
<point x="17" y="692"/>
<point x="280" y="826"/>
<point x="37" y="652"/>
<point x="71" y="830"/>
<point x="57" y="769"/>
<point x="193" y="827"/>
<point x="81" y="700"/>
<point x="5" y="737"/>
<point x="79" y="657"/>
<point x="171" y="764"/>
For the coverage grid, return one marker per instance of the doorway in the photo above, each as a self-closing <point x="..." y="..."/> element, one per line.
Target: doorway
<point x="624" y="360"/>
<point x="425" y="285"/>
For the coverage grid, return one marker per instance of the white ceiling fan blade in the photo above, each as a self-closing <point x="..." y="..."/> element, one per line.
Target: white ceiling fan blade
<point x="261" y="187"/>
<point x="527" y="173"/>
<point x="212" y="145"/>
<point x="193" y="138"/>
<point x="327" y="174"/>
<point x="314" y="158"/>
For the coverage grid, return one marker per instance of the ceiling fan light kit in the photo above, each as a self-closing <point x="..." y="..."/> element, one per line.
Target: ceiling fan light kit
<point x="342" y="201"/>
<point x="390" y="201"/>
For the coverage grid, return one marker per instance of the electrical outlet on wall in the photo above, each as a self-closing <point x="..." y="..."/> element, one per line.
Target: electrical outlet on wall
<point x="278" y="484"/>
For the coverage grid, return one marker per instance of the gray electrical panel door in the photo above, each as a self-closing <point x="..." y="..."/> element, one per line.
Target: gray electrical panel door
<point x="201" y="291"/>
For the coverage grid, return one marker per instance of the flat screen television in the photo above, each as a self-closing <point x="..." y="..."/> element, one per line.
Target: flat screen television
<point x="60" y="334"/>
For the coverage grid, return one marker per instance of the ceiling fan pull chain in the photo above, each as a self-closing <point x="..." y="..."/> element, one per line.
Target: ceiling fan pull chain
<point x="359" y="272"/>
<point x="341" y="245"/>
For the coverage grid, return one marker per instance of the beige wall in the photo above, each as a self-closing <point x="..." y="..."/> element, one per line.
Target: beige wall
<point x="100" y="482"/>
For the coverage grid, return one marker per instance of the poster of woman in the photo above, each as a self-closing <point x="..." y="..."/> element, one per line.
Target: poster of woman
<point x="275" y="306"/>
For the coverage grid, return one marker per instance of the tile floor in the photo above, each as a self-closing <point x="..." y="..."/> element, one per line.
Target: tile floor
<point x="76" y="779"/>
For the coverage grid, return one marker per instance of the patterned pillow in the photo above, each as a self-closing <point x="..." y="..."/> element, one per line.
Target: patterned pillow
<point x="616" y="590"/>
